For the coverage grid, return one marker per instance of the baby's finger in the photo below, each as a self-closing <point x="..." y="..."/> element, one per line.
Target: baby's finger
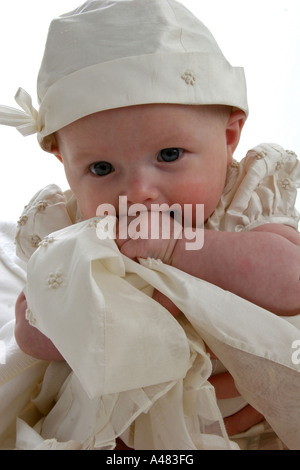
<point x="224" y="385"/>
<point x="210" y="352"/>
<point x="166" y="302"/>
<point x="243" y="420"/>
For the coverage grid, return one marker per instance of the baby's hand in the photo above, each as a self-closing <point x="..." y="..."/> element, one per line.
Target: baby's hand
<point x="149" y="247"/>
<point x="149" y="236"/>
<point x="30" y="339"/>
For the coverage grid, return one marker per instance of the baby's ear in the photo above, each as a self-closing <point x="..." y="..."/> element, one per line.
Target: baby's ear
<point x="57" y="154"/>
<point x="53" y="148"/>
<point x="234" y="128"/>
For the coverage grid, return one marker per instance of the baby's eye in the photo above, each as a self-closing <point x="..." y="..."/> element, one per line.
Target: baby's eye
<point x="101" y="168"/>
<point x="169" y="155"/>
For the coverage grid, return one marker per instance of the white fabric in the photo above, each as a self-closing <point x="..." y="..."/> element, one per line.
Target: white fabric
<point x="18" y="372"/>
<point x="12" y="271"/>
<point x="108" y="330"/>
<point x="151" y="383"/>
<point x="26" y="121"/>
<point x="111" y="54"/>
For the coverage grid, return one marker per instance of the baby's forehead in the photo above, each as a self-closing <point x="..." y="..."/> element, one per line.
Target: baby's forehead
<point x="164" y="114"/>
<point x="155" y="124"/>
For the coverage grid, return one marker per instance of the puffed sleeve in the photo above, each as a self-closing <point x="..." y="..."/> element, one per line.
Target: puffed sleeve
<point x="260" y="189"/>
<point x="49" y="210"/>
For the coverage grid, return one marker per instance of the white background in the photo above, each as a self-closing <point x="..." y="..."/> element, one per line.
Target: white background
<point x="263" y="36"/>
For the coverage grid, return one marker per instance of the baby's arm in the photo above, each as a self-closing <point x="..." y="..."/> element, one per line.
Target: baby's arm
<point x="262" y="265"/>
<point x="30" y="339"/>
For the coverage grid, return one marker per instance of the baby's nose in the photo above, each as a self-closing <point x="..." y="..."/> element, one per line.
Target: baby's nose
<point x="141" y="188"/>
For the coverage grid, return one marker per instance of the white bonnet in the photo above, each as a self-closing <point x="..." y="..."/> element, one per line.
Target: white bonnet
<point x="114" y="53"/>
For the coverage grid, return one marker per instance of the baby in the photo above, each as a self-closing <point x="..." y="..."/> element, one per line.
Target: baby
<point x="138" y="101"/>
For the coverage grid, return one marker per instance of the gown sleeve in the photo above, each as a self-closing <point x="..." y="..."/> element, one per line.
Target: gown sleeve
<point x="260" y="189"/>
<point x="49" y="210"/>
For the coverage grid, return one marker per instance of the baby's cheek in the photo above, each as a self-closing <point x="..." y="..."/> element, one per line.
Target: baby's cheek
<point x="88" y="209"/>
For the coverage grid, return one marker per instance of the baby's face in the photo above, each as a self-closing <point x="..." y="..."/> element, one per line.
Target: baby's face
<point x="152" y="154"/>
